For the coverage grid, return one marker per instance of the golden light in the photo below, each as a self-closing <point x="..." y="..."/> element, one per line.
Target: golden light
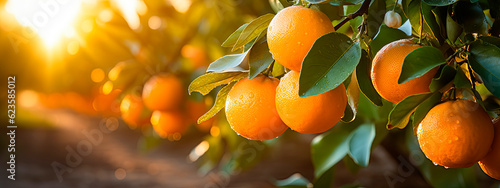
<point x="97" y="75"/>
<point x="50" y="19"/>
<point x="28" y="98"/>
<point x="199" y="150"/>
<point x="154" y="22"/>
<point x="107" y="87"/>
<point x="181" y="6"/>
<point x="125" y="105"/>
<point x="73" y="47"/>
<point x="129" y="10"/>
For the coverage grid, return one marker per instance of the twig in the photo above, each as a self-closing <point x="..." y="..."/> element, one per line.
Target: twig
<point x="363" y="9"/>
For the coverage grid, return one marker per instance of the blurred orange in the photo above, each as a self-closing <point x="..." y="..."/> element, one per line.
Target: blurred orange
<point x="169" y="124"/>
<point x="107" y="104"/>
<point x="195" y="109"/>
<point x="133" y="112"/>
<point x="196" y="55"/>
<point x="163" y="92"/>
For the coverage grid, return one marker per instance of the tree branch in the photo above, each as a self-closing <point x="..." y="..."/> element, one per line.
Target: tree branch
<point x="363" y="9"/>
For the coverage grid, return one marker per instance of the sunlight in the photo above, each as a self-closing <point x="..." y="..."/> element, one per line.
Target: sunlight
<point x="50" y="19"/>
<point x="129" y="10"/>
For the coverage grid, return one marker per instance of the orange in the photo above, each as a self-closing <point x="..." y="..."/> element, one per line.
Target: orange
<point x="133" y="111"/>
<point x="196" y="55"/>
<point x="386" y="68"/>
<point x="309" y="115"/>
<point x="163" y="92"/>
<point x="491" y="163"/>
<point x="107" y="104"/>
<point x="169" y="123"/>
<point x="456" y="134"/>
<point x="196" y="110"/>
<point x="251" y="110"/>
<point x="293" y="31"/>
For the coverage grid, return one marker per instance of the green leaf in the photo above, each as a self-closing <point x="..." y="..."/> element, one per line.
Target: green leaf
<point x="420" y="61"/>
<point x="471" y="17"/>
<point x="294" y="181"/>
<point x="385" y="36"/>
<point x="430" y="24"/>
<point x="485" y="61"/>
<point x="400" y="114"/>
<point x="207" y="82"/>
<point x="352" y="100"/>
<point x="332" y="58"/>
<point x="461" y="80"/>
<point x="489" y="39"/>
<point x="411" y="9"/>
<point x="252" y="30"/>
<point x="329" y="148"/>
<point x="364" y="80"/>
<point x="228" y="61"/>
<point x="260" y="58"/>
<point x="376" y="13"/>
<point x="231" y="40"/>
<point x="440" y="2"/>
<point x="423" y="108"/>
<point x="360" y="143"/>
<point x="445" y="76"/>
<point x="278" y="70"/>
<point x="453" y="29"/>
<point x="316" y="1"/>
<point x="220" y="103"/>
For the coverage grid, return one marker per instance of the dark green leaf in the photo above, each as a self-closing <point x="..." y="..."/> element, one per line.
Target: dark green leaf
<point x="360" y="143"/>
<point x="376" y="13"/>
<point x="400" y="114"/>
<point x="332" y="58"/>
<point x="440" y="2"/>
<point x="430" y="25"/>
<point x="252" y="30"/>
<point x="231" y="40"/>
<point x="333" y="12"/>
<point x="485" y="61"/>
<point x="453" y="29"/>
<point x="492" y="40"/>
<point x="260" y="58"/>
<point x="461" y="80"/>
<point x="294" y="181"/>
<point x="385" y="36"/>
<point x="329" y="148"/>
<point x="445" y="76"/>
<point x="228" y="61"/>
<point x="207" y="82"/>
<point x="471" y="17"/>
<point x="420" y="61"/>
<point x="411" y="9"/>
<point x="423" y="108"/>
<point x="220" y="103"/>
<point x="364" y="80"/>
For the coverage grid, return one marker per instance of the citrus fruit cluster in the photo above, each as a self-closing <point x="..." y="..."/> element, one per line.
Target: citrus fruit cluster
<point x="262" y="108"/>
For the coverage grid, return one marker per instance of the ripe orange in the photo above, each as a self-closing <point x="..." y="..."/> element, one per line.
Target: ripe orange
<point x="491" y="163"/>
<point x="251" y="110"/>
<point x="456" y="134"/>
<point x="309" y="115"/>
<point x="386" y="68"/>
<point x="107" y="104"/>
<point x="133" y="111"/>
<point x="197" y="56"/>
<point x="196" y="110"/>
<point x="293" y="31"/>
<point x="169" y="123"/>
<point x="163" y="92"/>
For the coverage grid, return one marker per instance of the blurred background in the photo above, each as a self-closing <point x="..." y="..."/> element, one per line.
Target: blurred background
<point x="75" y="63"/>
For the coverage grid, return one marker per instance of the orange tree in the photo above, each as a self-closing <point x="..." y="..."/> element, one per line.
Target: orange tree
<point x="426" y="66"/>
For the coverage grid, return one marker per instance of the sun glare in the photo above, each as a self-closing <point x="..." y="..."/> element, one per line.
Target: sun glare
<point x="50" y="19"/>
